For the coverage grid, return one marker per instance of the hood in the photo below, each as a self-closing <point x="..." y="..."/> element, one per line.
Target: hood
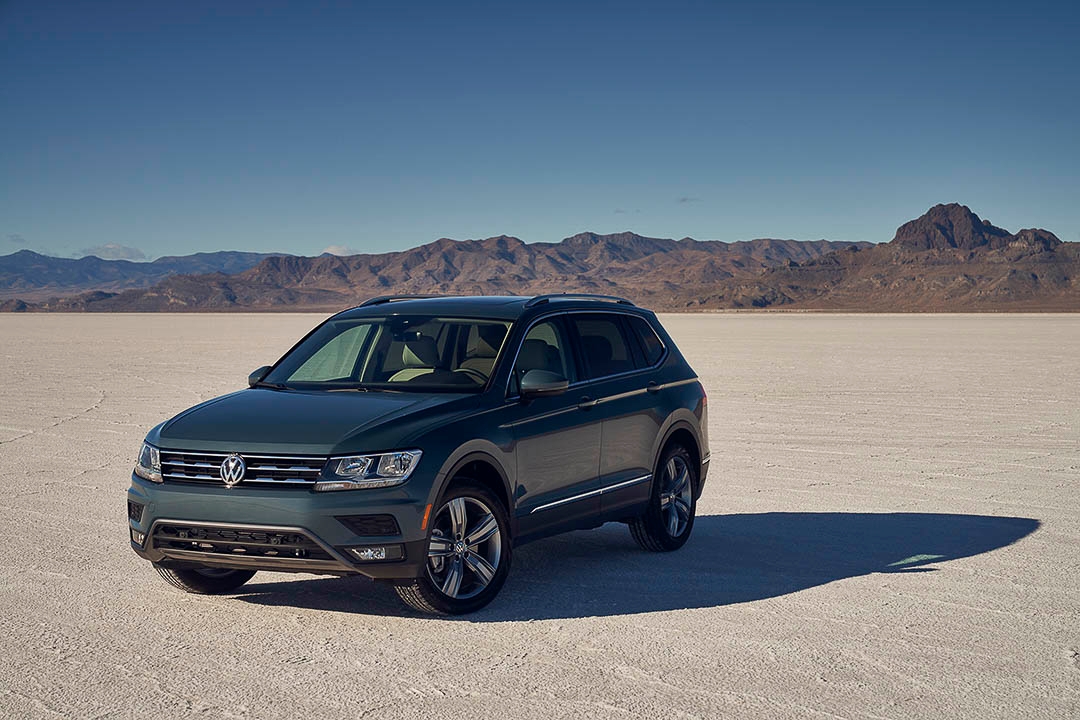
<point x="262" y="420"/>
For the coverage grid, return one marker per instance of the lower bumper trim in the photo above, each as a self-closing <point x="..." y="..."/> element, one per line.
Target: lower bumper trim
<point x="240" y="562"/>
<point x="168" y="550"/>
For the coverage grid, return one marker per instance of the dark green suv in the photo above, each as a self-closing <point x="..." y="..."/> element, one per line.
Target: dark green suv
<point x="418" y="440"/>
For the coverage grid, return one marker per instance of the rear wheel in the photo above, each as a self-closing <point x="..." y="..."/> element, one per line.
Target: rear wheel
<point x="205" y="581"/>
<point x="468" y="554"/>
<point x="669" y="518"/>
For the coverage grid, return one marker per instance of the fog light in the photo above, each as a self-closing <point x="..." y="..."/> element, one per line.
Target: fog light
<point x="137" y="537"/>
<point x="377" y="553"/>
<point x="370" y="553"/>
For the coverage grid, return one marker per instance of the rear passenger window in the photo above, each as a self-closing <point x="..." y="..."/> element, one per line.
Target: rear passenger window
<point x="650" y="344"/>
<point x="603" y="344"/>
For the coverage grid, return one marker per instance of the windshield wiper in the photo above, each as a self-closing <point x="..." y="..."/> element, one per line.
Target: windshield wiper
<point x="271" y="385"/>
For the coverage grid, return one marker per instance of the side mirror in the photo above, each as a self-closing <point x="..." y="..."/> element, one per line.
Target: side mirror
<point x="543" y="383"/>
<point x="256" y="377"/>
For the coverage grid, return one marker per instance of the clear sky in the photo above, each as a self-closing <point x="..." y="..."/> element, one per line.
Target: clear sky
<point x="183" y="126"/>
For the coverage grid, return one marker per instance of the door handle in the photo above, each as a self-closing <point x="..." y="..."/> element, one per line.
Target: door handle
<point x="586" y="403"/>
<point x="652" y="387"/>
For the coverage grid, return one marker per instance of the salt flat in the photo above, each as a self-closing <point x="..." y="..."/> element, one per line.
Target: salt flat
<point x="890" y="530"/>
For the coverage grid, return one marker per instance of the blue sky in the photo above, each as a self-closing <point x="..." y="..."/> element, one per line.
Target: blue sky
<point x="175" y="127"/>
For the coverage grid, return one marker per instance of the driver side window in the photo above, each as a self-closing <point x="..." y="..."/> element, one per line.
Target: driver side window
<point x="544" y="348"/>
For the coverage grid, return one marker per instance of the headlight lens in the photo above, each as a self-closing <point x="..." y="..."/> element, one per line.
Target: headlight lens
<point x="353" y="466"/>
<point x="370" y="471"/>
<point x="148" y="466"/>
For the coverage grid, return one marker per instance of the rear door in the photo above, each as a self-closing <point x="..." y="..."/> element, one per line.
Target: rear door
<point x="617" y="377"/>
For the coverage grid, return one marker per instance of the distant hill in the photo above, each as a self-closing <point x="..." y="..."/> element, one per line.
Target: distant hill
<point x="947" y="260"/>
<point x="643" y="267"/>
<point x="29" y="275"/>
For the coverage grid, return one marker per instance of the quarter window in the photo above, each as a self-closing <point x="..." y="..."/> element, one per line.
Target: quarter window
<point x="650" y="344"/>
<point x="603" y="345"/>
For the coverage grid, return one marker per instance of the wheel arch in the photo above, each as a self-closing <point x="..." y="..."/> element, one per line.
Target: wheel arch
<point x="682" y="432"/>
<point x="483" y="468"/>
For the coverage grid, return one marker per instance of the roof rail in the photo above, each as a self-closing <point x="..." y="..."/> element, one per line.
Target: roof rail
<point x="541" y="299"/>
<point x="383" y="299"/>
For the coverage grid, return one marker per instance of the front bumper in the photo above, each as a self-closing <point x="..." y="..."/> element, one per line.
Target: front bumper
<point x="276" y="529"/>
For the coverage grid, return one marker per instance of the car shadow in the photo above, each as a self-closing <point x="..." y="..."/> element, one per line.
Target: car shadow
<point x="728" y="559"/>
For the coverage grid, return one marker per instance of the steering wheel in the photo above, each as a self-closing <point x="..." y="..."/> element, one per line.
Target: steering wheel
<point x="474" y="374"/>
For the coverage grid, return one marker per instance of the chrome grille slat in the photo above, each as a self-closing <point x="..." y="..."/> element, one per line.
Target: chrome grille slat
<point x="202" y="467"/>
<point x="190" y="477"/>
<point x="250" y="466"/>
<point x="253" y="456"/>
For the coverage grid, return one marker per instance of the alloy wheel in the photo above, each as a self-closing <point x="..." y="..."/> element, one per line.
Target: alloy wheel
<point x="465" y="548"/>
<point x="676" y="496"/>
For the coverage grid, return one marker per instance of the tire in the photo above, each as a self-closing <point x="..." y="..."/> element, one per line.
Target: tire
<point x="205" y="581"/>
<point x="462" y="576"/>
<point x="668" y="520"/>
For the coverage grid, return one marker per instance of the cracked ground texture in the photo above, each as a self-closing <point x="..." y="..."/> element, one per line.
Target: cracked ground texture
<point x="890" y="530"/>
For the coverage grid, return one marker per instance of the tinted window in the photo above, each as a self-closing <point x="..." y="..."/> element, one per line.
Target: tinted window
<point x="603" y="345"/>
<point x="544" y="348"/>
<point x="650" y="343"/>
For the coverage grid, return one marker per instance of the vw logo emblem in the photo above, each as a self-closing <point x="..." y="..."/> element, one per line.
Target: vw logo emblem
<point x="232" y="470"/>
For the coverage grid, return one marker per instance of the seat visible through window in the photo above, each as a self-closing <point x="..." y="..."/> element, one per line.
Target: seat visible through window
<point x="419" y="356"/>
<point x="544" y="348"/>
<point x="603" y="344"/>
<point x="483" y="346"/>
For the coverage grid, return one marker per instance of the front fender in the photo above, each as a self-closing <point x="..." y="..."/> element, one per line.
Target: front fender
<point x="478" y="451"/>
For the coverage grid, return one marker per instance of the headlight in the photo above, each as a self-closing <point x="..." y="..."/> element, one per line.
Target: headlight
<point x="370" y="471"/>
<point x="148" y="466"/>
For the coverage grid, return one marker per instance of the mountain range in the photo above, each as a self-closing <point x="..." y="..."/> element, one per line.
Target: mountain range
<point x="947" y="260"/>
<point x="31" y="276"/>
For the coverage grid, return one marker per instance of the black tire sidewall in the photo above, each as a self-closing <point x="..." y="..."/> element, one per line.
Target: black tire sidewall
<point x="654" y="516"/>
<point x="191" y="580"/>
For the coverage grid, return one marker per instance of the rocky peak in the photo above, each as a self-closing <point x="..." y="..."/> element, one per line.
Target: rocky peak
<point x="951" y="226"/>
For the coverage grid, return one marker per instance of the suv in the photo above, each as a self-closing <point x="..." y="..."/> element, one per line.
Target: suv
<point x="418" y="440"/>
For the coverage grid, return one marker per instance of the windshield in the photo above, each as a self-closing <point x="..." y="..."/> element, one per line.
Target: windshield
<point x="402" y="352"/>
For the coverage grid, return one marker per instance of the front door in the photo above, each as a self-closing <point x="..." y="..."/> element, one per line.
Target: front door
<point x="557" y="440"/>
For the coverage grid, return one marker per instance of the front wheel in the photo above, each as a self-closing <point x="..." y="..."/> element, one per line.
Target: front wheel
<point x="669" y="517"/>
<point x="206" y="580"/>
<point x="468" y="554"/>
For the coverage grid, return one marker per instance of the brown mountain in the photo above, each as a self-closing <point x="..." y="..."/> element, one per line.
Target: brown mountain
<point x="653" y="270"/>
<point x="946" y="260"/>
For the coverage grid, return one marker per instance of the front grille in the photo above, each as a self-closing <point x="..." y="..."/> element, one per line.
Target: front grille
<point x="370" y="525"/>
<point x="204" y="467"/>
<point x="250" y="542"/>
<point x="135" y="511"/>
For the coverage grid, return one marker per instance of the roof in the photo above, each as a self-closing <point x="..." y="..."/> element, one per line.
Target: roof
<point x="506" y="307"/>
<point x="502" y="307"/>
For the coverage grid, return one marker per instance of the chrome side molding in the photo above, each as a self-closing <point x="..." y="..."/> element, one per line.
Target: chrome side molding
<point x="591" y="493"/>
